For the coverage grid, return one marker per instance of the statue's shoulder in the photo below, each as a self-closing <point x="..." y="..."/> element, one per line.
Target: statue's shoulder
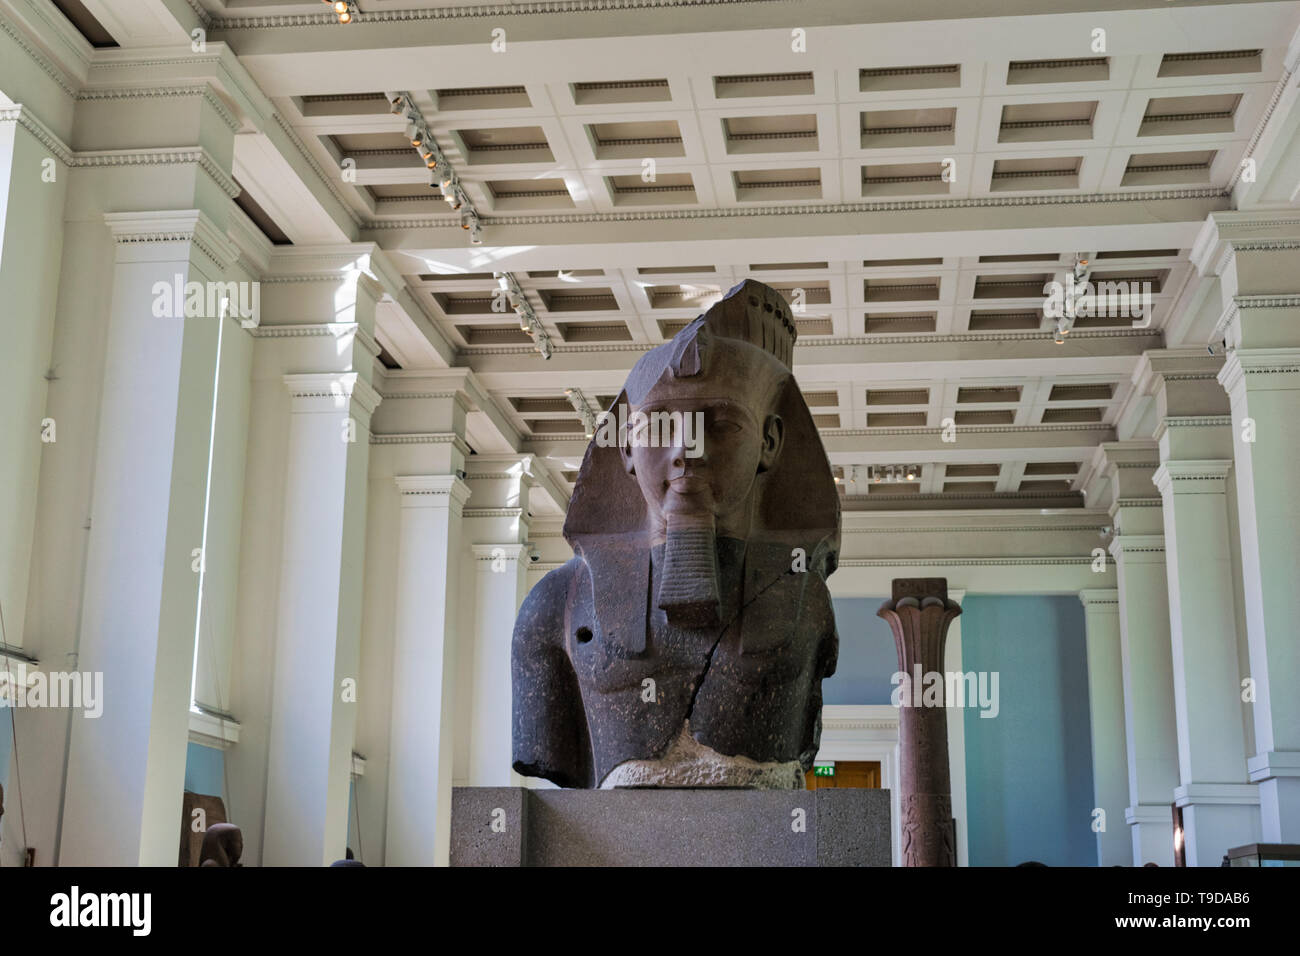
<point x="542" y="613"/>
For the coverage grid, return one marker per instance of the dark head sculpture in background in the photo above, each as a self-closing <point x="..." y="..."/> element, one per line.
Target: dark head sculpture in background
<point x="685" y="643"/>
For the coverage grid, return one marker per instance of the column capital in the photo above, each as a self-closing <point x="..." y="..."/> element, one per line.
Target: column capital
<point x="1156" y="365"/>
<point x="1276" y="369"/>
<point x="1229" y="231"/>
<point x="138" y="234"/>
<point x="1271" y="764"/>
<point x="1230" y="794"/>
<point x="486" y="555"/>
<point x="1206" y="477"/>
<point x="433" y="490"/>
<point x="1100" y="599"/>
<point x="1156" y="813"/>
<point x="331" y="392"/>
<point x="1150" y="545"/>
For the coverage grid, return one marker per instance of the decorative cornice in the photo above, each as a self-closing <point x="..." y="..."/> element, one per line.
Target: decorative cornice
<point x="1193" y="421"/>
<point x="316" y="167"/>
<point x="1192" y="477"/>
<point x="44" y="135"/>
<point x="975" y="429"/>
<point x="147" y="92"/>
<point x="962" y="529"/>
<point x="332" y="277"/>
<point x="323" y="329"/>
<point x="1258" y="365"/>
<point x="963" y="562"/>
<point x="51" y="70"/>
<point x="173" y="225"/>
<point x="465" y="12"/>
<point x="334" y="385"/>
<point x="1276" y="97"/>
<point x="1127" y="544"/>
<point x="435" y="489"/>
<point x="494" y="512"/>
<point x="1152" y="502"/>
<point x="509" y="551"/>
<point x="1103" y="598"/>
<point x="423" y="438"/>
<point x="807" y="209"/>
<point x="901" y="338"/>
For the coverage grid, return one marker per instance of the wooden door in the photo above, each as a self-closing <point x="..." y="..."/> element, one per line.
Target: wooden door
<point x="861" y="774"/>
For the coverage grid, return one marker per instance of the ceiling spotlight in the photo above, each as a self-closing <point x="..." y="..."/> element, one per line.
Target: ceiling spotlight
<point x="344" y="9"/>
<point x="416" y="134"/>
<point x="911" y="473"/>
<point x="397" y="104"/>
<point x="1059" y="339"/>
<point x="469" y="221"/>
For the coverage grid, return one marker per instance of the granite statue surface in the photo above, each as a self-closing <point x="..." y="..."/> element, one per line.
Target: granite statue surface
<point x="685" y="643"/>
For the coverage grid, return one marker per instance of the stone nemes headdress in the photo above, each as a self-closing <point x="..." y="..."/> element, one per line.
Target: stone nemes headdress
<point x="748" y="335"/>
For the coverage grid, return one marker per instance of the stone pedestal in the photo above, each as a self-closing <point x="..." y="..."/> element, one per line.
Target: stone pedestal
<point x="919" y="614"/>
<point x="511" y="826"/>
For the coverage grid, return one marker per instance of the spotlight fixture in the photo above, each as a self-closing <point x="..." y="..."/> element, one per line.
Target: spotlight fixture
<point x="528" y="320"/>
<point x="345" y="10"/>
<point x="469" y="221"/>
<point x="441" y="173"/>
<point x="582" y="405"/>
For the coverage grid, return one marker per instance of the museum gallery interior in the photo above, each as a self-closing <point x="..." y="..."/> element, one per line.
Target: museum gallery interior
<point x="649" y="432"/>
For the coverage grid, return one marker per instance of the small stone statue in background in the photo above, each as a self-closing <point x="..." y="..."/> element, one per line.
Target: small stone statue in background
<point x="685" y="643"/>
<point x="223" y="845"/>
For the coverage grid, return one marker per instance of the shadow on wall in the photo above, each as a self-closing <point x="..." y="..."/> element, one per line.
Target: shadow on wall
<point x="1029" y="770"/>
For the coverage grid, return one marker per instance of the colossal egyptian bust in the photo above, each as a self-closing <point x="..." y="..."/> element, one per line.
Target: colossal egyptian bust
<point x="685" y="643"/>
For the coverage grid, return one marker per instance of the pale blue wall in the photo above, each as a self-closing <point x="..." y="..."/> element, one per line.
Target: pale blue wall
<point x="867" y="655"/>
<point x="1029" y="770"/>
<point x="203" y="770"/>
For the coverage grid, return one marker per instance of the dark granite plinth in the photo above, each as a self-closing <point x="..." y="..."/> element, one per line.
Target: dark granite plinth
<point x="831" y="827"/>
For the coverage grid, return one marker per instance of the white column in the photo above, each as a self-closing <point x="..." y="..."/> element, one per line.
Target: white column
<point x="126" y="769"/>
<point x="422" y="741"/>
<point x="314" y="688"/>
<point x="1106" y="710"/>
<point x="957" y="736"/>
<point x="1264" y="387"/>
<point x="31" y="244"/>
<point x="1150" y="735"/>
<point x="1255" y="253"/>
<point x="1219" y="806"/>
<point x="499" y="590"/>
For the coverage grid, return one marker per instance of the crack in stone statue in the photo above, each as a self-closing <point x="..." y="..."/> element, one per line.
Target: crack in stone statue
<point x="685" y="643"/>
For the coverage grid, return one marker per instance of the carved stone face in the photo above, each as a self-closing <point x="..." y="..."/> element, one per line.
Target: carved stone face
<point x="733" y="435"/>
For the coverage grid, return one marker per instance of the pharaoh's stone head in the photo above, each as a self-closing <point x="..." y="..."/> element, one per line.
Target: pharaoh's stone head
<point x="710" y="438"/>
<point x="703" y="415"/>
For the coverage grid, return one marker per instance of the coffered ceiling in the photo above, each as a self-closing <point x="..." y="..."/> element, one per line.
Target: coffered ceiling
<point x="910" y="175"/>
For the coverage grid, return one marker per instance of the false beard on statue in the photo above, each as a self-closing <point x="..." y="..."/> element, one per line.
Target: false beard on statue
<point x="688" y="588"/>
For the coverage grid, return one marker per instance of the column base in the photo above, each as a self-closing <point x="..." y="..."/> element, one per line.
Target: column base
<point x="1152" y="829"/>
<point x="1217" y="817"/>
<point x="1278" y="776"/>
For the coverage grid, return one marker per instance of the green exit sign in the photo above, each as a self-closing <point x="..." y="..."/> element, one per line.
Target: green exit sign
<point x="824" y="770"/>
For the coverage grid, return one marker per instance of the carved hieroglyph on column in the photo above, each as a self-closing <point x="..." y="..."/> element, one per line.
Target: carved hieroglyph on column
<point x="919" y="614"/>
